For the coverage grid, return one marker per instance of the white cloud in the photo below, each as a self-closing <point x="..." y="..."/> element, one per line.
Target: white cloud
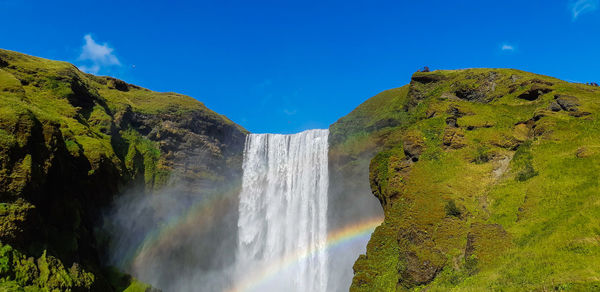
<point x="96" y="56"/>
<point x="579" y="7"/>
<point x="507" y="47"/>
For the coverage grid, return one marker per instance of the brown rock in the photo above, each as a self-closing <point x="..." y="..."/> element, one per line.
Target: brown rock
<point x="422" y="271"/>
<point x="454" y="138"/>
<point x="505" y="142"/>
<point x="423" y="261"/>
<point x="413" y="146"/>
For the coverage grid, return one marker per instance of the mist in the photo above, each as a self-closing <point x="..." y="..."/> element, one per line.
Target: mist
<point x="185" y="236"/>
<point x="175" y="240"/>
<point x="350" y="202"/>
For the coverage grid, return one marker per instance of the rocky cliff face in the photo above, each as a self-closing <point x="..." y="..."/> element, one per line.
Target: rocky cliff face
<point x="70" y="143"/>
<point x="488" y="180"/>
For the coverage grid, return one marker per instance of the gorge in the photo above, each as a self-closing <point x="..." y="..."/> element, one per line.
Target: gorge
<point x="460" y="180"/>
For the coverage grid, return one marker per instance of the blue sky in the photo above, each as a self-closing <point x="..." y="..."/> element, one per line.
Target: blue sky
<point x="286" y="66"/>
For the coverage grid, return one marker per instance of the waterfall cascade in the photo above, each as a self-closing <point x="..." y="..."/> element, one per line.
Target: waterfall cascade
<point x="283" y="211"/>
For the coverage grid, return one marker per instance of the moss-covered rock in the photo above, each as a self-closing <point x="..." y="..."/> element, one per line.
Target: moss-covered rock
<point x="71" y="142"/>
<point x="488" y="181"/>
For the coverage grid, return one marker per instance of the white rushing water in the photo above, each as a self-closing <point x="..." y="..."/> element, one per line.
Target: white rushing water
<point x="282" y="225"/>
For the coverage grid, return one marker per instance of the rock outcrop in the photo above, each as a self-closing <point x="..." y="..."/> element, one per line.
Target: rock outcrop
<point x="479" y="179"/>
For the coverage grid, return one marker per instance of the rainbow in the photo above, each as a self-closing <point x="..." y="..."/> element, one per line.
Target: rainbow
<point x="336" y="238"/>
<point x="153" y="241"/>
<point x="206" y="208"/>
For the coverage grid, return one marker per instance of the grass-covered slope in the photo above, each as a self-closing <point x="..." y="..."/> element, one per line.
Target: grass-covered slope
<point x="69" y="143"/>
<point x="489" y="180"/>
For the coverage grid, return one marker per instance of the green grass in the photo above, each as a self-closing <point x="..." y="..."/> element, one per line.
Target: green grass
<point x="51" y="110"/>
<point x="45" y="273"/>
<point x="533" y="226"/>
<point x="137" y="286"/>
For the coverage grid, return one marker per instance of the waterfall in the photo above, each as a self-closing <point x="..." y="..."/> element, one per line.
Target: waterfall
<point x="282" y="225"/>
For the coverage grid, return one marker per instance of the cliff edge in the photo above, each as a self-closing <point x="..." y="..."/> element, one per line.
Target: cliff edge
<point x="70" y="143"/>
<point x="488" y="179"/>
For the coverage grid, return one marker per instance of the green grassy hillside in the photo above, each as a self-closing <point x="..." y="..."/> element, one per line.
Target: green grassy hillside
<point x="70" y="143"/>
<point x="489" y="180"/>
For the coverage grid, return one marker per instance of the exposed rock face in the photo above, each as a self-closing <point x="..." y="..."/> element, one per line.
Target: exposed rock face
<point x="413" y="146"/>
<point x="117" y="84"/>
<point x="427" y="78"/>
<point x="555" y="107"/>
<point x="567" y="103"/>
<point x="71" y="142"/>
<point x="418" y="270"/>
<point x="535" y="92"/>
<point x="454" y="138"/>
<point x="481" y="91"/>
<point x="481" y="163"/>
<point x="186" y="140"/>
<point x="455" y="114"/>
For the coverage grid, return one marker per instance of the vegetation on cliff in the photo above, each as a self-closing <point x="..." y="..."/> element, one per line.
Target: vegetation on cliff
<point x="69" y="143"/>
<point x="488" y="179"/>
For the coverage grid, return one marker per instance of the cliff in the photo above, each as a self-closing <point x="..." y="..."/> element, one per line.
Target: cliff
<point x="488" y="179"/>
<point x="70" y="143"/>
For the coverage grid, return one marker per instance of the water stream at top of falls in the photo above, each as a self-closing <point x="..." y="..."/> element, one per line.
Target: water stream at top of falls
<point x="282" y="225"/>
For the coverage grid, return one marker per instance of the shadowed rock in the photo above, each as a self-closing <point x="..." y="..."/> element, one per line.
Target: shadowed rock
<point x="454" y="138"/>
<point x="534" y="93"/>
<point x="423" y="260"/>
<point x="117" y="84"/>
<point x="554" y="106"/>
<point x="567" y="102"/>
<point x="455" y="114"/>
<point x="425" y="77"/>
<point x="413" y="146"/>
